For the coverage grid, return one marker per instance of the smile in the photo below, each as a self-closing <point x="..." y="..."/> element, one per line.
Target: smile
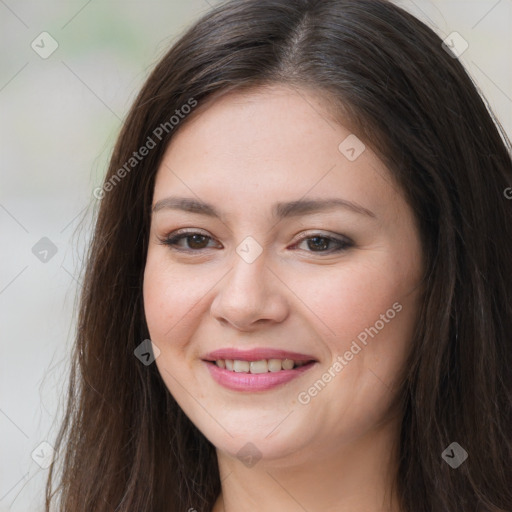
<point x="243" y="377"/>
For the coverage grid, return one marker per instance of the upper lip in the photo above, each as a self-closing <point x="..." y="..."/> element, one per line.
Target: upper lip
<point x="255" y="354"/>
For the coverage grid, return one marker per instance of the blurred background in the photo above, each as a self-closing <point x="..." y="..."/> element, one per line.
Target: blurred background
<point x="69" y="70"/>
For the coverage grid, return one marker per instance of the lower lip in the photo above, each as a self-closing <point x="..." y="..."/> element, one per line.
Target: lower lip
<point x="254" y="381"/>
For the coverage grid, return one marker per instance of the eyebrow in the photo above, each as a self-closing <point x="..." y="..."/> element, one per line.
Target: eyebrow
<point x="280" y="210"/>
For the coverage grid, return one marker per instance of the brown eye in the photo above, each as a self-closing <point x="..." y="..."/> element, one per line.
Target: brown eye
<point x="196" y="241"/>
<point x="193" y="241"/>
<point x="318" y="242"/>
<point x="324" y="244"/>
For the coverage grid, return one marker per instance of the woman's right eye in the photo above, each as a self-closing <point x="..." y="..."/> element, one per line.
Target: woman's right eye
<point x="194" y="241"/>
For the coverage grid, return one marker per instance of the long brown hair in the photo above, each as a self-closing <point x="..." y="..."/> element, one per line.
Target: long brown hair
<point x="127" y="444"/>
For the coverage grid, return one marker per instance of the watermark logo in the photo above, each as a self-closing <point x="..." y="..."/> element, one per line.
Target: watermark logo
<point x="455" y="45"/>
<point x="43" y="455"/>
<point x="454" y="455"/>
<point x="146" y="352"/>
<point x="44" y="45"/>
<point x="249" y="249"/>
<point x="351" y="148"/>
<point x="44" y="250"/>
<point x="249" y="455"/>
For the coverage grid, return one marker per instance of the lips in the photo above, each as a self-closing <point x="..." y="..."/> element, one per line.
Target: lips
<point x="256" y="369"/>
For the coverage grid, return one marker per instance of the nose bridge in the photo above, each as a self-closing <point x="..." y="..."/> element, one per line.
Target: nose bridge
<point x="250" y="269"/>
<point x="250" y="292"/>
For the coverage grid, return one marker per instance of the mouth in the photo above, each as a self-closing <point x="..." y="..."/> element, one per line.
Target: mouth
<point x="256" y="370"/>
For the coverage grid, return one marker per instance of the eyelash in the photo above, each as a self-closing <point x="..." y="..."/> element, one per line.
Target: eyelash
<point x="171" y="240"/>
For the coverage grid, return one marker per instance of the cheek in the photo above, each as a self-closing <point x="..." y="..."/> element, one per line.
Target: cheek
<point x="172" y="292"/>
<point x="170" y="296"/>
<point x="169" y="299"/>
<point x="345" y="300"/>
<point x="368" y="314"/>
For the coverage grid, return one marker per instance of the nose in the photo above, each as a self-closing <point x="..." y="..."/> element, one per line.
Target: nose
<point x="250" y="295"/>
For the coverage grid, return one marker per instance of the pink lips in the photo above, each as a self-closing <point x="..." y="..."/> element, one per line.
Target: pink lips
<point x="258" y="381"/>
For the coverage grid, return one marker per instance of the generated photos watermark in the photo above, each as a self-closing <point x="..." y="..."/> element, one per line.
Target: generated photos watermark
<point x="151" y="142"/>
<point x="304" y="397"/>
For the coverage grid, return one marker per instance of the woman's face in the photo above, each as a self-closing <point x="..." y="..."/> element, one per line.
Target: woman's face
<point x="271" y="269"/>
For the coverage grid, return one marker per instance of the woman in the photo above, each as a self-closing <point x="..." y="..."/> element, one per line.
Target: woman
<point x="306" y="214"/>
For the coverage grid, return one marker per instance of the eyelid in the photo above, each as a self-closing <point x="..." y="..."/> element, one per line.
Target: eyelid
<point x="312" y="233"/>
<point x="187" y="231"/>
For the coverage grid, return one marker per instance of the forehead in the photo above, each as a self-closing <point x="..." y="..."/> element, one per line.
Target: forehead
<point x="272" y="143"/>
<point x="265" y="115"/>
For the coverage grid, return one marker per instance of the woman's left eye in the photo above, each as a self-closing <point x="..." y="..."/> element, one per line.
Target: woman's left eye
<point x="319" y="242"/>
<point x="195" y="242"/>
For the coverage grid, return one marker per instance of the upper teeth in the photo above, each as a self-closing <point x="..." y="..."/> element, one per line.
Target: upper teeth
<point x="262" y="366"/>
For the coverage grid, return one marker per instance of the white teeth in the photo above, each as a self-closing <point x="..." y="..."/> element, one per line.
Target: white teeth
<point x="274" y="365"/>
<point x="240" y="366"/>
<point x="261" y="366"/>
<point x="287" y="364"/>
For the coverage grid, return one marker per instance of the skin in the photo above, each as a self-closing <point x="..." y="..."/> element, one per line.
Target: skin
<point x="242" y="153"/>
